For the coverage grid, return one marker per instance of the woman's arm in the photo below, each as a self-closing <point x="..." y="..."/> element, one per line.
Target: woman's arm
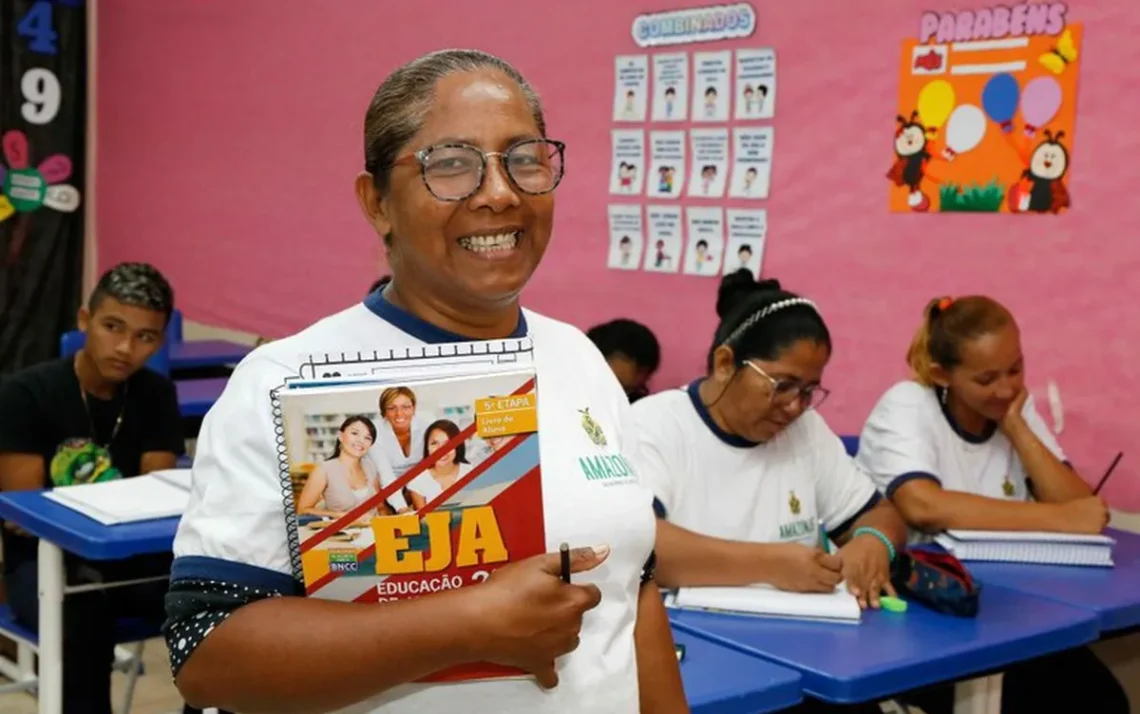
<point x="388" y="645"/>
<point x="658" y="673"/>
<point x="312" y="494"/>
<point x="884" y="518"/>
<point x="926" y="506"/>
<point x="685" y="558"/>
<point x="1053" y="480"/>
<point x="416" y="500"/>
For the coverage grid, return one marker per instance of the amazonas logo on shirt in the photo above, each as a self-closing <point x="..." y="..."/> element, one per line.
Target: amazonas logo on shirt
<point x="609" y="469"/>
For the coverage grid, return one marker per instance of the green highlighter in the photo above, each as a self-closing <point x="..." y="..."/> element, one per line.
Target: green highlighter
<point x="892" y="604"/>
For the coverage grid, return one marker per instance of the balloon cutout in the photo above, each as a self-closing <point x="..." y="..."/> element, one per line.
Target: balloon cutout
<point x="964" y="130"/>
<point x="999" y="99"/>
<point x="1039" y="103"/>
<point x="27" y="188"/>
<point x="935" y="102"/>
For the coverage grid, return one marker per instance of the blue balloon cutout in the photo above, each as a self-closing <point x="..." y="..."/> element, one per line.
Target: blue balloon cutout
<point x="999" y="98"/>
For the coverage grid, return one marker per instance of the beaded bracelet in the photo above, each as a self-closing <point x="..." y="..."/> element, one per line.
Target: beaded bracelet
<point x="867" y="530"/>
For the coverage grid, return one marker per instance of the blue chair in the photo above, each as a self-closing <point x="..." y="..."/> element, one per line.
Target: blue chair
<point x="174" y="329"/>
<point x="72" y="342"/>
<point x="851" y="443"/>
<point x="22" y="671"/>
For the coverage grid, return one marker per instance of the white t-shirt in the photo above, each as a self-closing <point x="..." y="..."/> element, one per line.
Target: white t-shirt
<point x="429" y="488"/>
<point x="721" y="485"/>
<point x="234" y="527"/>
<point x="910" y="435"/>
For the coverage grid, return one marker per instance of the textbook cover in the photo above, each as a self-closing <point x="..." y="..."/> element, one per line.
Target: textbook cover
<point x="404" y="489"/>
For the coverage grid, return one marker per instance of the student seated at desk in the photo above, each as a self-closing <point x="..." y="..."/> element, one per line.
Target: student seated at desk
<point x="747" y="472"/>
<point x="95" y="416"/>
<point x="632" y="351"/>
<point x="962" y="446"/>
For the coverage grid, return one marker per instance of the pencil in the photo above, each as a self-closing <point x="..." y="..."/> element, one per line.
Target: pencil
<point x="564" y="551"/>
<point x="1111" y="468"/>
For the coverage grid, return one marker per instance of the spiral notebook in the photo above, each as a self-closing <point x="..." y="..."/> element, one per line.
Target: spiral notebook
<point x="1028" y="547"/>
<point x="468" y="503"/>
<point x="837" y="606"/>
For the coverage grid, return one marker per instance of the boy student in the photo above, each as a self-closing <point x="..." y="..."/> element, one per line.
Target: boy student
<point x="98" y="415"/>
<point x="632" y="351"/>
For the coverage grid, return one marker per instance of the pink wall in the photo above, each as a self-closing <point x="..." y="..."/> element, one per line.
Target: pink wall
<point x="229" y="134"/>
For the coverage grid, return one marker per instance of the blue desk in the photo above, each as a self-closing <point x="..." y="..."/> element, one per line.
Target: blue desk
<point x="76" y="533"/>
<point x="196" y="396"/>
<point x="1112" y="594"/>
<point x="719" y="680"/>
<point x="206" y="353"/>
<point x="59" y="528"/>
<point x="890" y="653"/>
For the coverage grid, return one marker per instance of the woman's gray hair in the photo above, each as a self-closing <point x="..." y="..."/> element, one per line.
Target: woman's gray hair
<point x="399" y="105"/>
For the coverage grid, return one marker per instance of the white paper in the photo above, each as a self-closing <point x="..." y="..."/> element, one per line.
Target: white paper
<point x="628" y="154"/>
<point x="840" y="605"/>
<point x="706" y="241"/>
<point x="631" y="80"/>
<point x="671" y="86"/>
<point x="710" y="162"/>
<point x="755" y="84"/>
<point x="667" y="164"/>
<point x="627" y="237"/>
<point x="711" y="85"/>
<point x="747" y="232"/>
<point x="162" y="494"/>
<point x="751" y="162"/>
<point x="663" y="247"/>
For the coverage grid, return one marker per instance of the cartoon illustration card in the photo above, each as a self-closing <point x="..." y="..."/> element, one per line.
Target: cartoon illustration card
<point x="667" y="164"/>
<point x="986" y="112"/>
<point x="710" y="162"/>
<point x="706" y="241"/>
<point x="626" y="237"/>
<point x="663" y="247"/>
<point x="671" y="86"/>
<point x="631" y="87"/>
<point x="747" y="233"/>
<point x="755" y="86"/>
<point x="628" y="161"/>
<point x="751" y="162"/>
<point x="711" y="85"/>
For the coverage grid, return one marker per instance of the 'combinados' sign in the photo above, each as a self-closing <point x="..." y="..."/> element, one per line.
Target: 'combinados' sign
<point x="701" y="24"/>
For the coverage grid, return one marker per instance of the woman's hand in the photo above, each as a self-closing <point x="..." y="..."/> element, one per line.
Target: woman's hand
<point x="866" y="566"/>
<point x="1013" y="418"/>
<point x="804" y="569"/>
<point x="528" y="617"/>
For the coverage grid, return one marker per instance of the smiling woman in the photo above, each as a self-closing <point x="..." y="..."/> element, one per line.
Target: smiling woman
<point x="459" y="180"/>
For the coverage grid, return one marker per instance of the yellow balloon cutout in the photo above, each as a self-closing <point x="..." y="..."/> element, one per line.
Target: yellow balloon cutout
<point x="935" y="102"/>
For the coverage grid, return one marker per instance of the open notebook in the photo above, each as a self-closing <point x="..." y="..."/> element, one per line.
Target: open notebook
<point x="160" y="494"/>
<point x="1028" y="547"/>
<point x="838" y="606"/>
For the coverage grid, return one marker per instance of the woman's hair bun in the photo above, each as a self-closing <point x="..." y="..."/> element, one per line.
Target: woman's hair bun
<point x="738" y="286"/>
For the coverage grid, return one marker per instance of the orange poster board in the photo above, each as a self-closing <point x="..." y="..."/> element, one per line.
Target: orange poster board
<point x="986" y="113"/>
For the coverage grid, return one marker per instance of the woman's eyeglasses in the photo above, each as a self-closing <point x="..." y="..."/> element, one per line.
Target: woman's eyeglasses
<point x="787" y="391"/>
<point x="454" y="172"/>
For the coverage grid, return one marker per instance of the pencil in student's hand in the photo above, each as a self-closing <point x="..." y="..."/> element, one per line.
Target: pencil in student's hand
<point x="1111" y="468"/>
<point x="564" y="551"/>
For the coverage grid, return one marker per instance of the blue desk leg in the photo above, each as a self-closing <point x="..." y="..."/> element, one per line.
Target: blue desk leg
<point x="51" y="592"/>
<point x="978" y="696"/>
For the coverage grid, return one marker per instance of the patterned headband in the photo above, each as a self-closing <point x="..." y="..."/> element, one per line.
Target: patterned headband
<point x="765" y="312"/>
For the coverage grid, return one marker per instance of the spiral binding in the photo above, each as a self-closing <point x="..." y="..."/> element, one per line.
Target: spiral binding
<point x="289" y="506"/>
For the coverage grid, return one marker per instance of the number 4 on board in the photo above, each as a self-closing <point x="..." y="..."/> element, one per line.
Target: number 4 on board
<point x="36" y="25"/>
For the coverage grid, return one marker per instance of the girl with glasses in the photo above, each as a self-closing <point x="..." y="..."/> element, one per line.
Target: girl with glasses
<point x="747" y="474"/>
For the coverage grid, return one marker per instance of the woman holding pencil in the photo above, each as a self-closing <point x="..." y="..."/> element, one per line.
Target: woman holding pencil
<point x="961" y="445"/>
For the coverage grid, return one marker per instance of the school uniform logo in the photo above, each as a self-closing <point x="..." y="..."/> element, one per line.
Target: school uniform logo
<point x="1007" y="488"/>
<point x="592" y="427"/>
<point x="797" y="528"/>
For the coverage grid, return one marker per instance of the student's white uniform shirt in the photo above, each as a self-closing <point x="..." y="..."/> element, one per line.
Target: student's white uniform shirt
<point x="910" y="435"/>
<point x="720" y="485"/>
<point x="234" y="528"/>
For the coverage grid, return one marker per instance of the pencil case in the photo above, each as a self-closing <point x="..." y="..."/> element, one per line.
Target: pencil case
<point x="936" y="580"/>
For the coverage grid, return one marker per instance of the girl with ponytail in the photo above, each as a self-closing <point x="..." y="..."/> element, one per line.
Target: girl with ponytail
<point x="961" y="445"/>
